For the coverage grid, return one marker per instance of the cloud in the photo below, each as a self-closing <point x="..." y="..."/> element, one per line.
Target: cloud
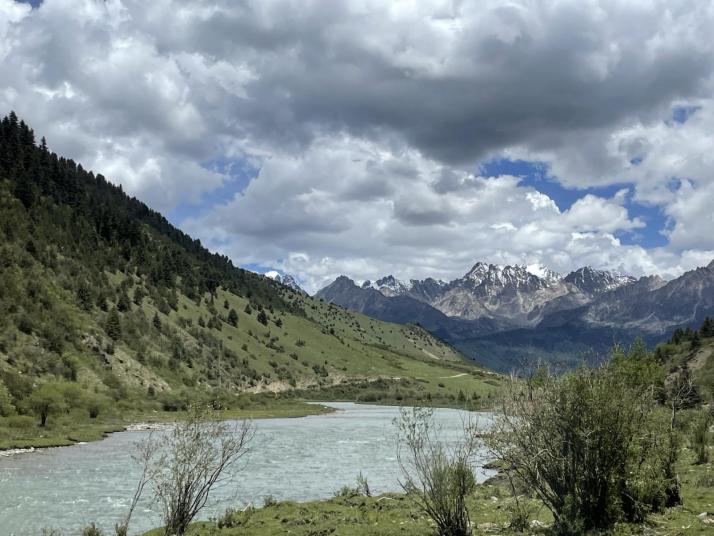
<point x="366" y="120"/>
<point x="318" y="229"/>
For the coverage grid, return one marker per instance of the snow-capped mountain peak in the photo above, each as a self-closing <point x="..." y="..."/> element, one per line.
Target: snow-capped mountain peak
<point x="388" y="285"/>
<point x="284" y="279"/>
<point x="593" y="281"/>
<point x="543" y="272"/>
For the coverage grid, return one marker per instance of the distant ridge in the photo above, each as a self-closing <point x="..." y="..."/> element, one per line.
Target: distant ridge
<point x="500" y="315"/>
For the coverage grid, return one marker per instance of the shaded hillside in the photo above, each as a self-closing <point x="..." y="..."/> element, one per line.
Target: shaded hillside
<point x="106" y="308"/>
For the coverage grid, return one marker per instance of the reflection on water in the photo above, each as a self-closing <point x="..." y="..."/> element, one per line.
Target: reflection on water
<point x="298" y="459"/>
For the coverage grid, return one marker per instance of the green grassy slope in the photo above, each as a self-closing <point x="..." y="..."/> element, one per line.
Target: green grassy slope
<point x="696" y="358"/>
<point x="108" y="313"/>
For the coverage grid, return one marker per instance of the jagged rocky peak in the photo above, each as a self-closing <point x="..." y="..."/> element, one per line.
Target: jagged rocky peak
<point x="593" y="281"/>
<point x="516" y="276"/>
<point x="544" y="273"/>
<point x="285" y="279"/>
<point x="711" y="265"/>
<point x="388" y="285"/>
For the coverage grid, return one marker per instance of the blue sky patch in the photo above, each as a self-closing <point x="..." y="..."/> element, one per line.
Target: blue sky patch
<point x="239" y="174"/>
<point x="535" y="175"/>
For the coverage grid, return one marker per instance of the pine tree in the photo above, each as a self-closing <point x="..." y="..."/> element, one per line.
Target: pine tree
<point x="677" y="336"/>
<point x="84" y="297"/>
<point x="112" y="325"/>
<point x="262" y="318"/>
<point x="233" y="317"/>
<point x="156" y="321"/>
<point x="707" y="329"/>
<point x="123" y="303"/>
<point x="696" y="342"/>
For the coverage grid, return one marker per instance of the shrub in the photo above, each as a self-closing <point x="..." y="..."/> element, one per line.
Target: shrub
<point x="92" y="530"/>
<point x="589" y="444"/>
<point x="437" y="476"/>
<point x="183" y="465"/>
<point x="20" y="422"/>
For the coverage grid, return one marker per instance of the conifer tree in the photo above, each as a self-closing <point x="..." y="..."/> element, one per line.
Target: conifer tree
<point x="696" y="342"/>
<point x="112" y="325"/>
<point x="233" y="317"/>
<point x="262" y="318"/>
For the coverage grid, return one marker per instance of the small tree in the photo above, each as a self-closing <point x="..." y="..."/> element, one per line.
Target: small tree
<point x="701" y="437"/>
<point x="112" y="324"/>
<point x="437" y="476"/>
<point x="183" y="465"/>
<point x="156" y="321"/>
<point x="46" y="400"/>
<point x="233" y="317"/>
<point x="6" y="406"/>
<point x="262" y="317"/>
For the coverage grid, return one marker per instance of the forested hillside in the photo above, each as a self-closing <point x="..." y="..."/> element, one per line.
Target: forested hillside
<point x="107" y="309"/>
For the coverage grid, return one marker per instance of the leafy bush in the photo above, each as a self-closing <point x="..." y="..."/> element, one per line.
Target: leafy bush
<point x="437" y="476"/>
<point x="20" y="422"/>
<point x="591" y="445"/>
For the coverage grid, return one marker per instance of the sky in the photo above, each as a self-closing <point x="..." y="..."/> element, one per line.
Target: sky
<point x="366" y="138"/>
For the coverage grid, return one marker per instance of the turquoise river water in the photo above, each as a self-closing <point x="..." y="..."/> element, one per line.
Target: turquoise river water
<point x="300" y="459"/>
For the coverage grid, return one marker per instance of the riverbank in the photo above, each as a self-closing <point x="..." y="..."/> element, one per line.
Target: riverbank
<point x="21" y="434"/>
<point x="492" y="508"/>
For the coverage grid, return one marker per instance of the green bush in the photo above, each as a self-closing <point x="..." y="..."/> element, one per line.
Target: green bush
<point x="592" y="445"/>
<point x="7" y="408"/>
<point x="20" y="422"/>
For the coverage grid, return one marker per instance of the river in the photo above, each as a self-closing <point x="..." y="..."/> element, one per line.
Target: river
<point x="301" y="459"/>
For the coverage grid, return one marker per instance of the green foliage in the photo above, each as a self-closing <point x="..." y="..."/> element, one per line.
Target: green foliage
<point x="6" y="406"/>
<point x="112" y="325"/>
<point x="701" y="436"/>
<point x="592" y="445"/>
<point x="638" y="367"/>
<point x="46" y="400"/>
<point x="262" y="317"/>
<point x="436" y="475"/>
<point x="233" y="317"/>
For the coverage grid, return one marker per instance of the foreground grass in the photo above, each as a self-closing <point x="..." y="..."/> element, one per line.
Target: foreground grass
<point x="491" y="507"/>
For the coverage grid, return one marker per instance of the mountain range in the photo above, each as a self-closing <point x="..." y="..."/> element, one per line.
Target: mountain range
<point x="503" y="315"/>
